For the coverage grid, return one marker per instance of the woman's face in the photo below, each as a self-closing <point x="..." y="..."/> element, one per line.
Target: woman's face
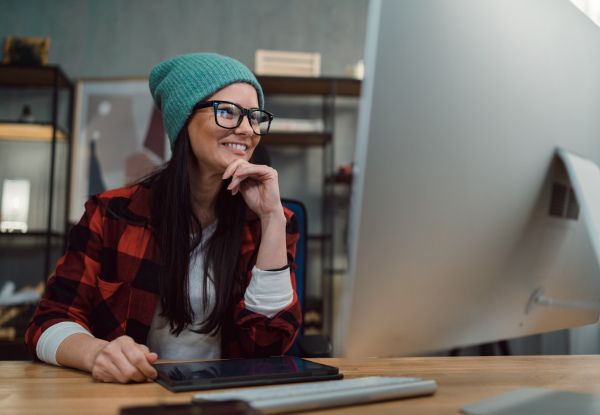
<point x="213" y="147"/>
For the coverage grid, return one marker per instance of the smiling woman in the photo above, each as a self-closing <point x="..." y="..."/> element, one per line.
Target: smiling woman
<point x="193" y="262"/>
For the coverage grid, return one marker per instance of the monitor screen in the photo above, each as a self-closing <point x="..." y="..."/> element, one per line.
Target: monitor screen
<point x="461" y="209"/>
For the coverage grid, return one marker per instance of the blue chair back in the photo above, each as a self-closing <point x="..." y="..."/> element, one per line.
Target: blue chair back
<point x="300" y="260"/>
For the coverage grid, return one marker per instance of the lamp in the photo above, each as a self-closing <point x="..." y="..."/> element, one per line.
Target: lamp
<point x="15" y="205"/>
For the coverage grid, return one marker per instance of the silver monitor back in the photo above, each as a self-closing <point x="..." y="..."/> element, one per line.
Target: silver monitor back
<point x="463" y="106"/>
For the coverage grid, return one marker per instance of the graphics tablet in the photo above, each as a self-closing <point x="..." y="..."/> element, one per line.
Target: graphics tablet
<point x="217" y="374"/>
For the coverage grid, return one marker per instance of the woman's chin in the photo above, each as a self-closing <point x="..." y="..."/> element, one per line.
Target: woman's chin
<point x="234" y="157"/>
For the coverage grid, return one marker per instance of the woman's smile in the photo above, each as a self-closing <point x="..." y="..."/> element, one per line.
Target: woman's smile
<point x="236" y="148"/>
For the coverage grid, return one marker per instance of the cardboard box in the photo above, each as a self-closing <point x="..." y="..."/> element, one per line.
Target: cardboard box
<point x="281" y="63"/>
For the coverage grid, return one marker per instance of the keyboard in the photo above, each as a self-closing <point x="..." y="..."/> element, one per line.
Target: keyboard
<point x="326" y="394"/>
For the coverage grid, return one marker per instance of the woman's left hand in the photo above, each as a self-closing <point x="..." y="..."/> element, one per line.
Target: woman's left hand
<point x="258" y="185"/>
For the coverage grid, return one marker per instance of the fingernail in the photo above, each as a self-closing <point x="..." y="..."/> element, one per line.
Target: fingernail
<point x="230" y="186"/>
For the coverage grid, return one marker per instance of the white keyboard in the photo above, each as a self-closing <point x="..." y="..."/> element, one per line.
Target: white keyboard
<point x="316" y="395"/>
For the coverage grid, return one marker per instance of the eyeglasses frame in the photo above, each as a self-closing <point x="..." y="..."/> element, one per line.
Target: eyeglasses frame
<point x="245" y="113"/>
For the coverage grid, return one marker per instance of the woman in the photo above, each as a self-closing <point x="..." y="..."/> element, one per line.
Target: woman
<point x="195" y="261"/>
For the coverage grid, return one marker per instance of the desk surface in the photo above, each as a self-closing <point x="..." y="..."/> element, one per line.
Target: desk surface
<point x="38" y="388"/>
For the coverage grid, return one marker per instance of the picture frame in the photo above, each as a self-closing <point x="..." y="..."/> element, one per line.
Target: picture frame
<point x="22" y="50"/>
<point x="118" y="137"/>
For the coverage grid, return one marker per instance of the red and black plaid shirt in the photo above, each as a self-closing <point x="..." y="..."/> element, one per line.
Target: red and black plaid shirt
<point x="107" y="280"/>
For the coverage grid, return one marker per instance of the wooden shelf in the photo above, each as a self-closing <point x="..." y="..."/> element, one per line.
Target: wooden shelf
<point x="309" y="86"/>
<point x="318" y="237"/>
<point x="32" y="76"/>
<point x="34" y="132"/>
<point x="340" y="178"/>
<point x="296" y="139"/>
<point x="34" y="233"/>
<point x="337" y="271"/>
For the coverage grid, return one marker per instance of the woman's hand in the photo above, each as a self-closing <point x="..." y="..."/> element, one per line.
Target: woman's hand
<point x="259" y="186"/>
<point x="123" y="360"/>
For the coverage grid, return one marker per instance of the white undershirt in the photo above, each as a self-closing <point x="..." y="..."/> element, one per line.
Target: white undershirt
<point x="268" y="293"/>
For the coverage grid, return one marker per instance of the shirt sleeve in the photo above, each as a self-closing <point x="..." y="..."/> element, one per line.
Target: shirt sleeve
<point x="269" y="292"/>
<point x="259" y="330"/>
<point x="50" y="339"/>
<point x="70" y="291"/>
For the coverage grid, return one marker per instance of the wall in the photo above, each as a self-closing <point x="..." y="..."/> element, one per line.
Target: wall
<point x="101" y="38"/>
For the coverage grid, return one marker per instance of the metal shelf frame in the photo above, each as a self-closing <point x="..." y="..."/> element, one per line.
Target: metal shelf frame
<point x="328" y="88"/>
<point x="52" y="79"/>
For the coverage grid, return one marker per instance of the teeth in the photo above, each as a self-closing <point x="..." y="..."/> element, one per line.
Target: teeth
<point x="236" y="146"/>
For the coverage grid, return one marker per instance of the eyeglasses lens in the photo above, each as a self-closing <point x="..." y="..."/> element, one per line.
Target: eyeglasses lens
<point x="260" y="121"/>
<point x="229" y="116"/>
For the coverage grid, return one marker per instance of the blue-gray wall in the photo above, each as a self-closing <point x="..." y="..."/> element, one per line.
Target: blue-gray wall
<point x="105" y="38"/>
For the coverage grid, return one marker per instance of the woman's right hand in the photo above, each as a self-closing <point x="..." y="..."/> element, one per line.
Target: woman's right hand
<point x="123" y="360"/>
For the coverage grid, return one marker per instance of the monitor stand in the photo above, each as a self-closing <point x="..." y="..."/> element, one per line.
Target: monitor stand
<point x="536" y="401"/>
<point x="584" y="176"/>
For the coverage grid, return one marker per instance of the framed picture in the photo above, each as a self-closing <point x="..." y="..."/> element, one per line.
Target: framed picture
<point x="119" y="137"/>
<point x="26" y="50"/>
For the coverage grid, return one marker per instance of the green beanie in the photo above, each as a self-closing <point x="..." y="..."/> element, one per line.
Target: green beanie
<point x="178" y="84"/>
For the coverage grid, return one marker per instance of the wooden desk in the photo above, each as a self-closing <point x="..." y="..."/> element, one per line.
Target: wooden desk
<point x="37" y="388"/>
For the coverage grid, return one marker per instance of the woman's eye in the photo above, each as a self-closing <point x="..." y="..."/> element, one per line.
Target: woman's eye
<point x="228" y="112"/>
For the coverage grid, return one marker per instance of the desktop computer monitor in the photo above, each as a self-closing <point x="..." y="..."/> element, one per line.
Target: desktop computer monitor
<point x="461" y="209"/>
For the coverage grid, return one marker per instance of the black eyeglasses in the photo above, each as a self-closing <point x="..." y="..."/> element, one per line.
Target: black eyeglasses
<point x="230" y="115"/>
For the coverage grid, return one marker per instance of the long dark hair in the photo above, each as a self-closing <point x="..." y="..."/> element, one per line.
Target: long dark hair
<point x="178" y="232"/>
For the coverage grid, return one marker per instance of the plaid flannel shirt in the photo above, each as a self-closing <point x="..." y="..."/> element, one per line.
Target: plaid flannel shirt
<point x="107" y="283"/>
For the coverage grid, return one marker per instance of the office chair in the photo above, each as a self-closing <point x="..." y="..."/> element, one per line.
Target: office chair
<point x="304" y="345"/>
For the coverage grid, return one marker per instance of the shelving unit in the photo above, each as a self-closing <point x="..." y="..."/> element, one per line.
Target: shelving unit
<point x="27" y="149"/>
<point x="20" y="131"/>
<point x="328" y="89"/>
<point x="50" y="83"/>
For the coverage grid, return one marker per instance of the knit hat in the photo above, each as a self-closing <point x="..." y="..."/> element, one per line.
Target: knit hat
<point x="178" y="84"/>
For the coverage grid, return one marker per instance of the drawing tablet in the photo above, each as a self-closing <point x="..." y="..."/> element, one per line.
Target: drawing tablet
<point x="217" y="374"/>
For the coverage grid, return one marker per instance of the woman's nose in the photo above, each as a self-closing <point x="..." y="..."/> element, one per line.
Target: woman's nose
<point x="245" y="127"/>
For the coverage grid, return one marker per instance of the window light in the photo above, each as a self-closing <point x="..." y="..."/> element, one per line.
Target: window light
<point x="15" y="205"/>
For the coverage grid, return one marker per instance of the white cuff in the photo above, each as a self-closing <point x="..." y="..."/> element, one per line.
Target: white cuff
<point x="269" y="292"/>
<point x="52" y="338"/>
